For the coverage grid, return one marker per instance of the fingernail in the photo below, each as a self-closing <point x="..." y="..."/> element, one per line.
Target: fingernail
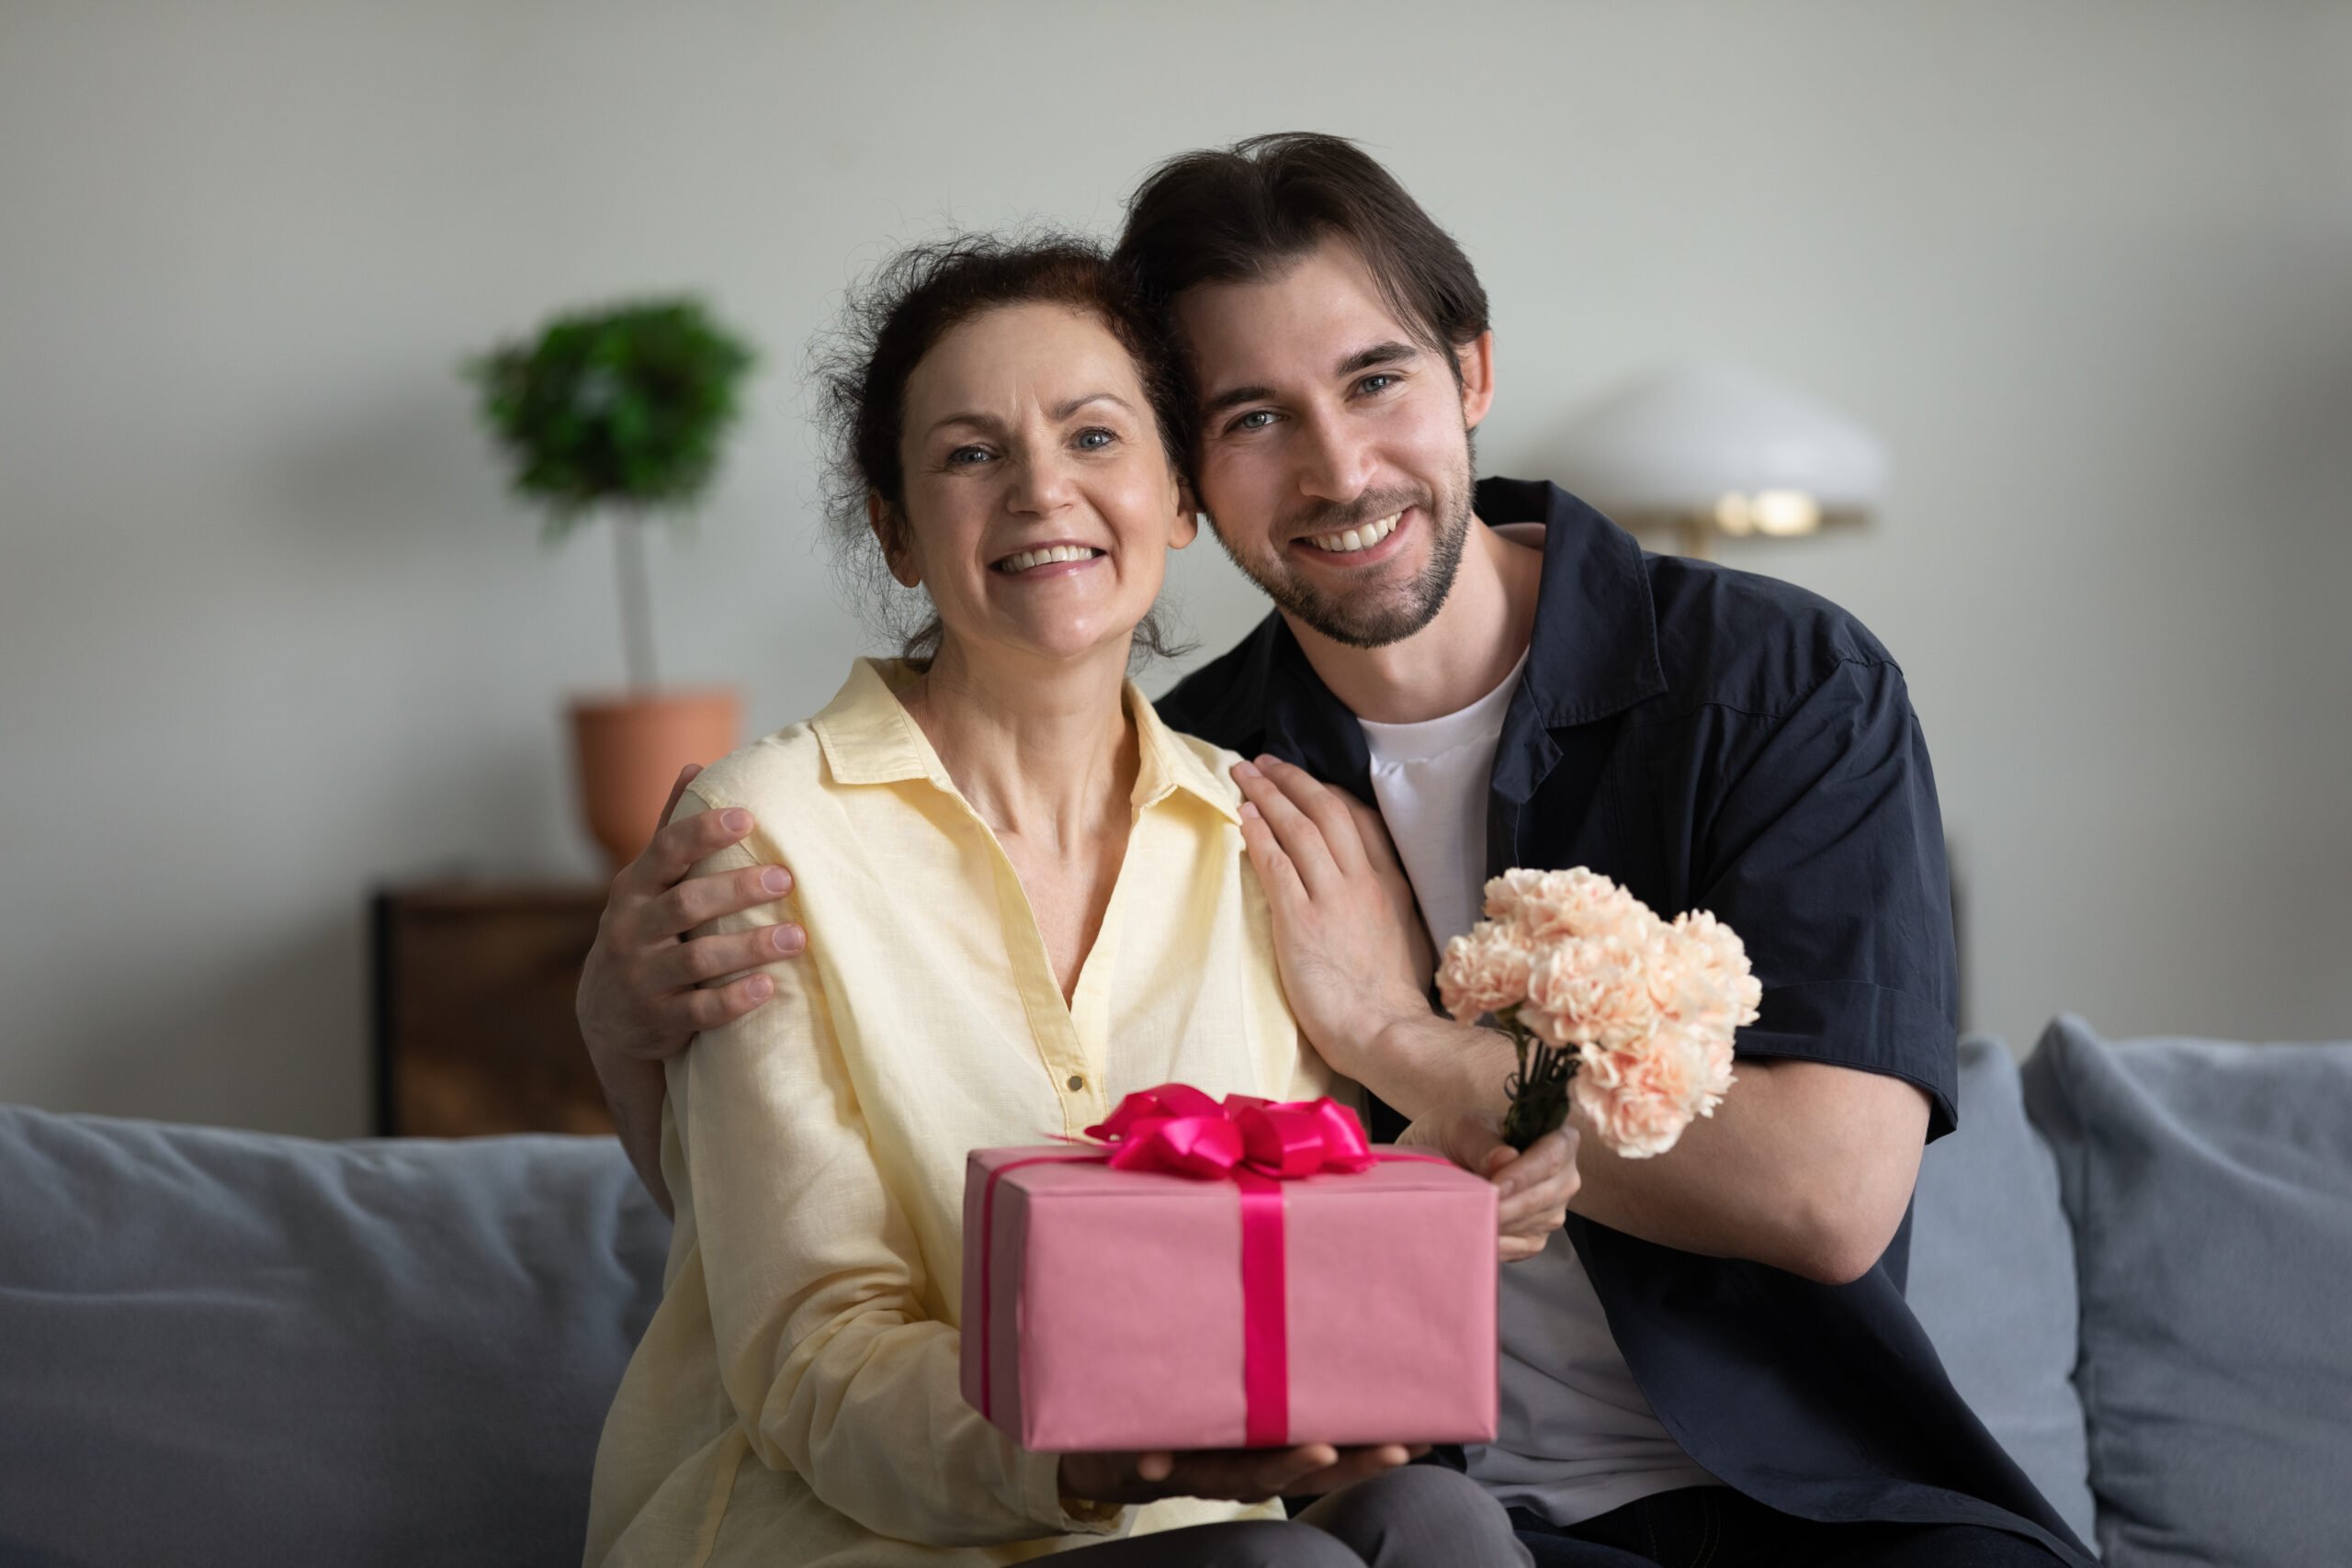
<point x="735" y="819"/>
<point x="773" y="879"/>
<point x="1246" y="770"/>
<point x="787" y="939"/>
<point x="758" y="987"/>
<point x="1249" y="811"/>
<point x="1267" y="759"/>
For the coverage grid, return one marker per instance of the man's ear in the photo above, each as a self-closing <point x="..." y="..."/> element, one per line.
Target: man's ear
<point x="891" y="534"/>
<point x="1475" y="362"/>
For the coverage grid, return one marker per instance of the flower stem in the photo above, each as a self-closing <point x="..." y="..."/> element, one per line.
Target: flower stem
<point x="1538" y="1087"/>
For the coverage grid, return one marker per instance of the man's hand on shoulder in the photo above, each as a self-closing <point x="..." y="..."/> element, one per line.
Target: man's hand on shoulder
<point x="1349" y="939"/>
<point x="644" y="992"/>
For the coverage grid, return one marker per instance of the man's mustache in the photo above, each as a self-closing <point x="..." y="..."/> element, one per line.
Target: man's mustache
<point x="1333" y="517"/>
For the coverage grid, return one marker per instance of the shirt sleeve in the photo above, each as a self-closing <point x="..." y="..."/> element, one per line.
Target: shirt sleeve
<point x="815" y="1281"/>
<point x="1826" y="853"/>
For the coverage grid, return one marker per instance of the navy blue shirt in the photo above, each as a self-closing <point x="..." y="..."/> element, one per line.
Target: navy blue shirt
<point x="1717" y="740"/>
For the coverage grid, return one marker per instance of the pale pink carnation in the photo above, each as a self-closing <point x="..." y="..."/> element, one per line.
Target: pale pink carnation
<point x="1640" y="1098"/>
<point x="1711" y="988"/>
<point x="1485" y="972"/>
<point x="1589" y="992"/>
<point x="1547" y="905"/>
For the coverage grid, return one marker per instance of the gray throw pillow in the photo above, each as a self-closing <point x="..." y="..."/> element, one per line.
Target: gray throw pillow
<point x="1992" y="1280"/>
<point x="2209" y="1185"/>
<point x="227" y="1347"/>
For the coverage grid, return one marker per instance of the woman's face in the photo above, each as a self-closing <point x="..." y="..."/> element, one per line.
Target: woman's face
<point x="1040" y="506"/>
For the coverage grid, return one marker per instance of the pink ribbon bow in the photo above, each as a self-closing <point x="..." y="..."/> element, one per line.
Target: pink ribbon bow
<point x="1177" y="1129"/>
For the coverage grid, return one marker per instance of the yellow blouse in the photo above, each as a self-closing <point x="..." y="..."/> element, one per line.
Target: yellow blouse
<point x="794" y="1400"/>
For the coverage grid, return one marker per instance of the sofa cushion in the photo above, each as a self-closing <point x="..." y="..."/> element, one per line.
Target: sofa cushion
<point x="231" y="1347"/>
<point x="1992" y="1280"/>
<point x="2209" y="1186"/>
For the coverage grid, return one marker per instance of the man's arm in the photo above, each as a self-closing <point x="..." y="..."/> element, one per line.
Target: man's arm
<point x="645" y="990"/>
<point x="1806" y="1166"/>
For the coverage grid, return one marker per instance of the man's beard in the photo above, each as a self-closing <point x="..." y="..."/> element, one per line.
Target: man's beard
<point x="1365" y="620"/>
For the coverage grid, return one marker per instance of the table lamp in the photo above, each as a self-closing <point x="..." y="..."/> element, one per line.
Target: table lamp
<point x="1713" y="451"/>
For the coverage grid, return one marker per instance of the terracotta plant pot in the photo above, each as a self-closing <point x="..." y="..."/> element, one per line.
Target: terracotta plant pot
<point x="630" y="750"/>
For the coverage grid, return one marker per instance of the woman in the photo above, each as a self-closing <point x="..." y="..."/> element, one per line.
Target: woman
<point x="1025" y="897"/>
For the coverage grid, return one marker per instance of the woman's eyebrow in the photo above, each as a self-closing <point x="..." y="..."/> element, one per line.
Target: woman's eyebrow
<point x="1058" y="411"/>
<point x="1071" y="407"/>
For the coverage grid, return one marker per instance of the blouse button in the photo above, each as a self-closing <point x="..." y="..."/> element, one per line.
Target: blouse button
<point x="1077" y="1082"/>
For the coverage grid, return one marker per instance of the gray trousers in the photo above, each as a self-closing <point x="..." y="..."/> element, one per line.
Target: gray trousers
<point x="1416" y="1516"/>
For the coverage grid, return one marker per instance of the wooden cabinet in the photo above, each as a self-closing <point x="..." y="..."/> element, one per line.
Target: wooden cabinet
<point x="475" y="1032"/>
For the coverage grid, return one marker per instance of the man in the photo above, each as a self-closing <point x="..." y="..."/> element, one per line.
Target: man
<point x="1723" y="1368"/>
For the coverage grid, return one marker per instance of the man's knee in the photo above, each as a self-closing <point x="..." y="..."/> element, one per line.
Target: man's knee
<point x="1420" y="1514"/>
<point x="1265" y="1543"/>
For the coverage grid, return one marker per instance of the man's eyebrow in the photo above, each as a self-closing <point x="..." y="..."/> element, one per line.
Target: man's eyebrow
<point x="1389" y="353"/>
<point x="1234" y="397"/>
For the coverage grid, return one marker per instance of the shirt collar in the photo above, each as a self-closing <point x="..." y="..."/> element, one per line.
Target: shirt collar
<point x="868" y="738"/>
<point x="1595" y="648"/>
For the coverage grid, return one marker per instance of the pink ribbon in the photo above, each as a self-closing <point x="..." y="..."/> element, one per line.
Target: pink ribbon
<point x="1255" y="1144"/>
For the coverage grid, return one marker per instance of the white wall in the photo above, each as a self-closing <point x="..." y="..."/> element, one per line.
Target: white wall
<point x="270" y="632"/>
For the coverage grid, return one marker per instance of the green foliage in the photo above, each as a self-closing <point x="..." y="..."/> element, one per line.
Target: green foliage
<point x="626" y="406"/>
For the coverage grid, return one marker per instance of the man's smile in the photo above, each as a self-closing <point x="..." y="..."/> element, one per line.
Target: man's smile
<point x="1360" y="545"/>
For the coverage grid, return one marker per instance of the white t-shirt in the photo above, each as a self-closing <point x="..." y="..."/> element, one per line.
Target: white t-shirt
<point x="1577" y="1438"/>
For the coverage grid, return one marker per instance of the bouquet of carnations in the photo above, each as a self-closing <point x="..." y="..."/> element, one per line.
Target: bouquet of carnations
<point x="1631" y="1015"/>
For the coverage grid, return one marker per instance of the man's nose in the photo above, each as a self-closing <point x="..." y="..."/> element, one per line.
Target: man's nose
<point x="1335" y="463"/>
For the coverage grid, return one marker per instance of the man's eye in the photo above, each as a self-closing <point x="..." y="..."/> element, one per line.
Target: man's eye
<point x="1256" y="419"/>
<point x="1379" y="383"/>
<point x="1094" y="440"/>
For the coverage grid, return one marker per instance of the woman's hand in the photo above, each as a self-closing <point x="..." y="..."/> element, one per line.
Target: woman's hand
<point x="1234" y="1475"/>
<point x="1353" y="954"/>
<point x="1534" y="1187"/>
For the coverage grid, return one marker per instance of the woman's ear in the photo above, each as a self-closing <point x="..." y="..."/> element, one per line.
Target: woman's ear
<point x="1188" y="515"/>
<point x="892" y="535"/>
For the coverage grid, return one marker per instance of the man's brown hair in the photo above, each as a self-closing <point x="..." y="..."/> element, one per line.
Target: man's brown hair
<point x="1245" y="212"/>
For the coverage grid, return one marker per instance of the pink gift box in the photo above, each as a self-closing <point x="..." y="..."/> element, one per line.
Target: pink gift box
<point x="1105" y="1309"/>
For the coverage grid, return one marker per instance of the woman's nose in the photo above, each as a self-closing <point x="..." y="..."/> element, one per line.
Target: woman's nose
<point x="1041" y="484"/>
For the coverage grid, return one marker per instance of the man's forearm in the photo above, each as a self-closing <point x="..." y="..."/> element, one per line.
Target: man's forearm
<point x="1805" y="1166"/>
<point x="635" y="1102"/>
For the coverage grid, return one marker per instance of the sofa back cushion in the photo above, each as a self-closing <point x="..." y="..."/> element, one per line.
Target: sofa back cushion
<point x="2209" y="1186"/>
<point x="1992" y="1280"/>
<point x="235" y="1348"/>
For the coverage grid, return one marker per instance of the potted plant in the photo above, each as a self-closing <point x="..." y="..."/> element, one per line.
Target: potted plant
<point x="621" y="413"/>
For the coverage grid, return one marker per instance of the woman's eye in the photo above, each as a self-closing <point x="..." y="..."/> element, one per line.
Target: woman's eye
<point x="1094" y="440"/>
<point x="965" y="457"/>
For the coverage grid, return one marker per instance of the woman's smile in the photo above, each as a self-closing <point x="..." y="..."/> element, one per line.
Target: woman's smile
<point x="1045" y="562"/>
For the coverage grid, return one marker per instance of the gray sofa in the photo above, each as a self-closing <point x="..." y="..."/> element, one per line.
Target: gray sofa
<point x="224" y="1347"/>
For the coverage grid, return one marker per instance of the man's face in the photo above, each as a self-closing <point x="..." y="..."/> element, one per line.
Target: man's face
<point x="1335" y="449"/>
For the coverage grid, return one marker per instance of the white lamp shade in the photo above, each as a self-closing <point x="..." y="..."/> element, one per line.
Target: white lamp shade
<point x="1715" y="440"/>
